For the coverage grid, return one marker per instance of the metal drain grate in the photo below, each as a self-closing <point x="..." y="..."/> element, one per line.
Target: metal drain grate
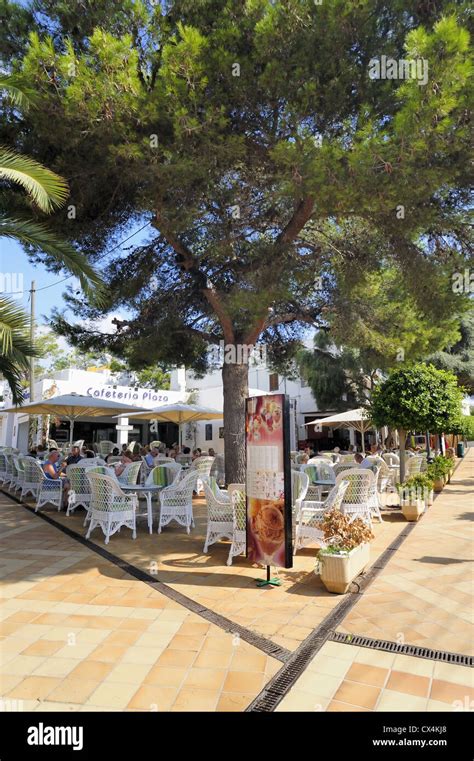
<point x="394" y="647"/>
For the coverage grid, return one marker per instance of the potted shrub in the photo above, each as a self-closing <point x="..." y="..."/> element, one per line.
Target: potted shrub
<point x="439" y="471"/>
<point x="415" y="496"/>
<point x="347" y="550"/>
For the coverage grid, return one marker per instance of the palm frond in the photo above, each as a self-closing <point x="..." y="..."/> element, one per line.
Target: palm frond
<point x="38" y="235"/>
<point x="46" y="188"/>
<point x="18" y="90"/>
<point x="14" y="325"/>
<point x="12" y="373"/>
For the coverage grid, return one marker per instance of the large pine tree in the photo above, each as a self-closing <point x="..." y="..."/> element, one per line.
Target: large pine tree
<point x="249" y="133"/>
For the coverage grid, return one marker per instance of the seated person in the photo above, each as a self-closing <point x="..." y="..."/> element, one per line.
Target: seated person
<point x="89" y="454"/>
<point x="150" y="456"/>
<point x="74" y="457"/>
<point x="125" y="460"/>
<point x="40" y="452"/>
<point x="114" y="453"/>
<point x="53" y="469"/>
<point x="197" y="453"/>
<point x="211" y="452"/>
<point x="364" y="462"/>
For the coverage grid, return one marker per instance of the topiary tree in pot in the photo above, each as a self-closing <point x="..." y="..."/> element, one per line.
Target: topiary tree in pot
<point x="416" y="398"/>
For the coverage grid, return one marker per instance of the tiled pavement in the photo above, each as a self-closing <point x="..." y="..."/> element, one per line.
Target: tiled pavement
<point x="347" y="678"/>
<point x="78" y="632"/>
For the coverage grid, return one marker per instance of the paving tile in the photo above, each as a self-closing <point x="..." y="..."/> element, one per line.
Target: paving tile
<point x="153" y="698"/>
<point x="112" y="695"/>
<point x="176" y="658"/>
<point x="410" y="684"/>
<point x="357" y="694"/>
<point x="243" y="681"/>
<point x="196" y="700"/>
<point x="234" y="701"/>
<point x="450" y="672"/>
<point x="58" y="667"/>
<point x="91" y="670"/>
<point x="336" y="706"/>
<point x="75" y="691"/>
<point x="449" y="692"/>
<point x="362" y="672"/>
<point x="299" y="700"/>
<point x="391" y="700"/>
<point x="42" y="648"/>
<point x="34" y="688"/>
<point x="206" y="679"/>
<point x="23" y="664"/>
<point x="164" y="676"/>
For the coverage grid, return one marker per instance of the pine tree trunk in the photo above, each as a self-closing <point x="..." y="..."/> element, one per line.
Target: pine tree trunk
<point x="236" y="387"/>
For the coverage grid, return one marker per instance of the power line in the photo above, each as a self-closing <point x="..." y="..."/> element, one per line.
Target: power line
<point x="63" y="280"/>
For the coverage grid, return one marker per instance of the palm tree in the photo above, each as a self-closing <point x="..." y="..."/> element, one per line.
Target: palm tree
<point x="16" y="348"/>
<point x="48" y="192"/>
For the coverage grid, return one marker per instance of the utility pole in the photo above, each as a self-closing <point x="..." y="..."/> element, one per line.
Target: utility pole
<point x="32" y="338"/>
<point x="32" y="429"/>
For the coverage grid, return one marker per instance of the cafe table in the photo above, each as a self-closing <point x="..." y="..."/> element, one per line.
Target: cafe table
<point x="147" y="491"/>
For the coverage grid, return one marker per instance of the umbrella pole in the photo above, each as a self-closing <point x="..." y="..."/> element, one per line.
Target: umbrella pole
<point x="71" y="430"/>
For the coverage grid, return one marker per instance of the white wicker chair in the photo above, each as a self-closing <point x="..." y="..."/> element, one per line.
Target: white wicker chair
<point x="357" y="498"/>
<point x="239" y="521"/>
<point x="299" y="488"/>
<point x="202" y="465"/>
<point x="9" y="473"/>
<point x="110" y="508"/>
<point x="218" y="469"/>
<point x="3" y="466"/>
<point x="50" y="491"/>
<point x="392" y="460"/>
<point x="33" y="477"/>
<point x="321" y="471"/>
<point x="80" y="492"/>
<point x="20" y="471"/>
<point x="130" y="473"/>
<point x="311" y="514"/>
<point x="343" y="467"/>
<point x="219" y="515"/>
<point x="105" y="447"/>
<point x="176" y="502"/>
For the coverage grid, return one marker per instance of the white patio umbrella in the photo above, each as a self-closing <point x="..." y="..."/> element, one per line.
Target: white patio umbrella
<point x="74" y="406"/>
<point x="356" y="419"/>
<point x="178" y="413"/>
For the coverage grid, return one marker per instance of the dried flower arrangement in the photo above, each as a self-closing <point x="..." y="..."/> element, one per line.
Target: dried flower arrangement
<point x="341" y="534"/>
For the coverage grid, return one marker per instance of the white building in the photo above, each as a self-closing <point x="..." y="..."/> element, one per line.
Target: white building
<point x="14" y="428"/>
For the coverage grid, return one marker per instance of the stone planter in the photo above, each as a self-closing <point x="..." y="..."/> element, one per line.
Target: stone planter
<point x="338" y="571"/>
<point x="438" y="485"/>
<point x="412" y="509"/>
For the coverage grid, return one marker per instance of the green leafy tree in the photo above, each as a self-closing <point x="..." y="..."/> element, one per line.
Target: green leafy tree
<point x="230" y="126"/>
<point x="458" y="357"/>
<point x="374" y="324"/>
<point x="418" y="398"/>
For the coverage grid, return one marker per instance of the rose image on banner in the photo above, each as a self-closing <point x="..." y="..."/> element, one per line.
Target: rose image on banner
<point x="268" y="485"/>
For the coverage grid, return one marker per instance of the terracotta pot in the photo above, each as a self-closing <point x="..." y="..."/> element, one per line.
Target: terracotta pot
<point x="438" y="485"/>
<point x="338" y="571"/>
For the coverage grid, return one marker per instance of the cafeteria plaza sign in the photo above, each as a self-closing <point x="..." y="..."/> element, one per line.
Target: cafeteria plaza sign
<point x="142" y="397"/>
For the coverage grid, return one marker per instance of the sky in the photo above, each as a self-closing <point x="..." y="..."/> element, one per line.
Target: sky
<point x="17" y="274"/>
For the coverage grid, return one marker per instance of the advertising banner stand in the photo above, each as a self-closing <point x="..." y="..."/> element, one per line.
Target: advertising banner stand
<point x="268" y="486"/>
